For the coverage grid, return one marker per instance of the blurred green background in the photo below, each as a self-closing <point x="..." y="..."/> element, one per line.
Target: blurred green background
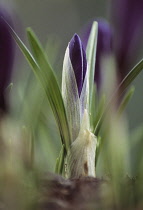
<point x="61" y="19"/>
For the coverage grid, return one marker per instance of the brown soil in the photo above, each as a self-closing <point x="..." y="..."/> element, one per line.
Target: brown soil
<point x="87" y="193"/>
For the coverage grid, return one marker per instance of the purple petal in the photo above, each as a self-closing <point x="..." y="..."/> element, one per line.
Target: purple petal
<point x="6" y="57"/>
<point x="127" y="18"/>
<point x="78" y="60"/>
<point x="104" y="45"/>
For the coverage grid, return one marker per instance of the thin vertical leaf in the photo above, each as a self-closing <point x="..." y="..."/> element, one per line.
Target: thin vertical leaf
<point x="100" y="111"/>
<point x="126" y="100"/>
<point x="45" y="74"/>
<point x="49" y="82"/>
<point x="91" y="55"/>
<point x="60" y="161"/>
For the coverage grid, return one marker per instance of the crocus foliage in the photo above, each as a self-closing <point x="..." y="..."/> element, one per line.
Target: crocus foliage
<point x="6" y="56"/>
<point x="72" y="106"/>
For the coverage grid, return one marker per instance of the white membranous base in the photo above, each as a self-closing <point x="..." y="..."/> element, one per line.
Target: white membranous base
<point x="81" y="156"/>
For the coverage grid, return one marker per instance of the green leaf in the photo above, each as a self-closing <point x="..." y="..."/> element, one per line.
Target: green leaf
<point x="60" y="161"/>
<point x="46" y="76"/>
<point x="100" y="111"/>
<point x="94" y="108"/>
<point x="126" y="100"/>
<point x="91" y="55"/>
<point x="120" y="90"/>
<point x="49" y="82"/>
<point x="136" y="138"/>
<point x="130" y="76"/>
<point x="29" y="57"/>
<point x="98" y="147"/>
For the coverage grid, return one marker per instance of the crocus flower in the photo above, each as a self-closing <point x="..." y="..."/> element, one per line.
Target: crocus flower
<point x="6" y="57"/>
<point x="73" y="81"/>
<point x="81" y="155"/>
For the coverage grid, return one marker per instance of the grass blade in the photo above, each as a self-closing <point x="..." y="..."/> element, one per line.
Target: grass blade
<point x="91" y="55"/>
<point x="45" y="74"/>
<point x="131" y="76"/>
<point x="49" y="82"/>
<point x="100" y="110"/>
<point x="60" y="161"/>
<point x="126" y="100"/>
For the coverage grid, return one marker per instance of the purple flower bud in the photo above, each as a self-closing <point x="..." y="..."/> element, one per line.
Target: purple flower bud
<point x="127" y="18"/>
<point x="6" y="57"/>
<point x="78" y="61"/>
<point x="104" y="45"/>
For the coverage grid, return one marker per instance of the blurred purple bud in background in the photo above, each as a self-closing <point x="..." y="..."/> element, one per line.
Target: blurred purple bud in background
<point x="122" y="40"/>
<point x="104" y="45"/>
<point x="127" y="19"/>
<point x="7" y="52"/>
<point x="78" y="61"/>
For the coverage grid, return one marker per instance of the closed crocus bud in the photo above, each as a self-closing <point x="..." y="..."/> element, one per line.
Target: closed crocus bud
<point x="6" y="57"/>
<point x="81" y="153"/>
<point x="104" y="45"/>
<point x="73" y="81"/>
<point x="78" y="61"/>
<point x="127" y="18"/>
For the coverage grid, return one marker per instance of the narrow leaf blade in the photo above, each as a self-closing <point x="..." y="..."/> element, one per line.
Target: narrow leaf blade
<point x="126" y="100"/>
<point x="131" y="76"/>
<point x="91" y="55"/>
<point x="29" y="57"/>
<point x="49" y="82"/>
<point x="59" y="111"/>
<point x="60" y="161"/>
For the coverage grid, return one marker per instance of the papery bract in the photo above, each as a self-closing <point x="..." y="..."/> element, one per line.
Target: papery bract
<point x="81" y="157"/>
